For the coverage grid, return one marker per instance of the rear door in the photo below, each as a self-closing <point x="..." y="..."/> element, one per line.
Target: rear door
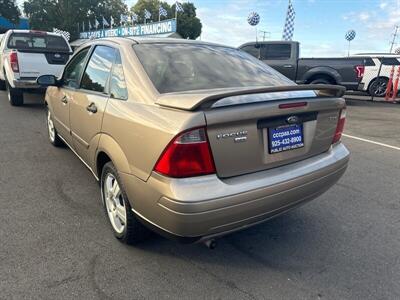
<point x="90" y="100"/>
<point x="39" y="53"/>
<point x="61" y="97"/>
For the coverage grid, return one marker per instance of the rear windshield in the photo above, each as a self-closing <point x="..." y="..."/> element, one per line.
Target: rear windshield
<point x="186" y="67"/>
<point x="36" y="42"/>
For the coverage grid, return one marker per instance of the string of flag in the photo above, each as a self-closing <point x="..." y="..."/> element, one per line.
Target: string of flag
<point x="131" y="18"/>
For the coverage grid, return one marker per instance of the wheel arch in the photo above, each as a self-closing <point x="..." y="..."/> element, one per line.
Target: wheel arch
<point x="109" y="150"/>
<point x="319" y="72"/>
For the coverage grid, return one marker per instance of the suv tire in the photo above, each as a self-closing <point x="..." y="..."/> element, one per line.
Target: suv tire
<point x="15" y="96"/>
<point x="125" y="225"/>
<point x="321" y="80"/>
<point x="2" y="85"/>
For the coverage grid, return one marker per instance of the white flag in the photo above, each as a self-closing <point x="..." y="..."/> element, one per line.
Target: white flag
<point x="105" y="23"/>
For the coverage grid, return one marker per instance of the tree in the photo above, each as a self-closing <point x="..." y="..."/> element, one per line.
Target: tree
<point x="10" y="10"/>
<point x="189" y="26"/>
<point x="152" y="6"/>
<point x="70" y="15"/>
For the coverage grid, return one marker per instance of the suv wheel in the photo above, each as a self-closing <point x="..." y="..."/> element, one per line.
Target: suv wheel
<point x="53" y="136"/>
<point x="15" y="96"/>
<point x="125" y="225"/>
<point x="378" y="87"/>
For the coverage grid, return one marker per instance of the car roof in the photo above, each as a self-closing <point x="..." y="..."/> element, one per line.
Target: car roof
<point x="153" y="40"/>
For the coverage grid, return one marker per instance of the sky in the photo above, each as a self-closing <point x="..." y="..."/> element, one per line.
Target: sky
<point x="320" y="25"/>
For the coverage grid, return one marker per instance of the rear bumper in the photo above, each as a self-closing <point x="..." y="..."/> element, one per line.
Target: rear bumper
<point x="350" y="86"/>
<point x="205" y="207"/>
<point x="25" y="84"/>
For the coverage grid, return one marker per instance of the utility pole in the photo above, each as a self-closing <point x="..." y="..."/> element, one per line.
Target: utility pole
<point x="394" y="38"/>
<point x="265" y="33"/>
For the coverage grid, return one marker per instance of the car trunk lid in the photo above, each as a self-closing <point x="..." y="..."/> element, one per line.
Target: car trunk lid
<point x="242" y="126"/>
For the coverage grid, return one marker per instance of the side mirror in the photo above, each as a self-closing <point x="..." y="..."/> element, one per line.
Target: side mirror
<point x="48" y="80"/>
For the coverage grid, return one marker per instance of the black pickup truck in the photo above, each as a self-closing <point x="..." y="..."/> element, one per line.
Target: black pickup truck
<point x="283" y="56"/>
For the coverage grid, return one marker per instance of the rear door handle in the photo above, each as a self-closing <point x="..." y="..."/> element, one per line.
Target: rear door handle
<point x="92" y="108"/>
<point x="288" y="66"/>
<point x="64" y="99"/>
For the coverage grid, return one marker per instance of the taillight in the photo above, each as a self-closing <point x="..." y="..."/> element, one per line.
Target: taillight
<point x="14" y="61"/>
<point x="359" y="71"/>
<point x="339" y="126"/>
<point x="187" y="155"/>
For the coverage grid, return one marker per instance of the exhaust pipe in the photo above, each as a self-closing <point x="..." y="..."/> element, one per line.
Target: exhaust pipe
<point x="211" y="244"/>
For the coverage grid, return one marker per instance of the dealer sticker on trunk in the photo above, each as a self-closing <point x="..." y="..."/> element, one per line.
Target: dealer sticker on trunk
<point x="285" y="138"/>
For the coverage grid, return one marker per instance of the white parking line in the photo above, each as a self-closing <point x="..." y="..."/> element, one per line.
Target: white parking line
<point x="372" y="142"/>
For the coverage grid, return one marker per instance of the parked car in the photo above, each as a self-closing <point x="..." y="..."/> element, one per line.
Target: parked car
<point x="191" y="139"/>
<point x="376" y="77"/>
<point x="283" y="56"/>
<point x="27" y="54"/>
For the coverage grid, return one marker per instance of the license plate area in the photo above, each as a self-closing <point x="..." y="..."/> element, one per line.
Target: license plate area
<point x="285" y="138"/>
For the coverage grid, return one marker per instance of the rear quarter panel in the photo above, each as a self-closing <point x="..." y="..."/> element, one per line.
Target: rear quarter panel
<point x="138" y="133"/>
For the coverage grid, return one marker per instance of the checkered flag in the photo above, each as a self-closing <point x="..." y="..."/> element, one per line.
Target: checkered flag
<point x="289" y="23"/>
<point x="178" y="7"/>
<point x="66" y="34"/>
<point x="147" y="14"/>
<point x="162" y="11"/>
<point x="134" y="18"/>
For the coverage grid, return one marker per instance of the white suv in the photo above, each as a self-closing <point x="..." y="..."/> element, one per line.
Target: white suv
<point x="374" y="81"/>
<point x="25" y="55"/>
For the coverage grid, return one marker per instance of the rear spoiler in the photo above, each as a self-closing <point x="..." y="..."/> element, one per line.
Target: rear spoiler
<point x="193" y="100"/>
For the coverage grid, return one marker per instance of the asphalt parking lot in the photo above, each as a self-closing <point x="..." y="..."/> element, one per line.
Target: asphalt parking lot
<point x="56" y="242"/>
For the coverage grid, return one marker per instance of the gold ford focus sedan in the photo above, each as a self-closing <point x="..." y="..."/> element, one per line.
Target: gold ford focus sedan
<point x="193" y="140"/>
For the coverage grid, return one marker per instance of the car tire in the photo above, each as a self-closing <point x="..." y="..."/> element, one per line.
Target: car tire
<point x="52" y="131"/>
<point x="378" y="86"/>
<point x="124" y="223"/>
<point x="2" y="85"/>
<point x="15" y="96"/>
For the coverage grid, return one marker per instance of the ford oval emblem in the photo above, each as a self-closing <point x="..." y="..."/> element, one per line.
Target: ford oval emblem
<point x="57" y="55"/>
<point x="292" y="120"/>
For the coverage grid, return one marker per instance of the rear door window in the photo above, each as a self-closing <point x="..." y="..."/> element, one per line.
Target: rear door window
<point x="389" y="61"/>
<point x="276" y="51"/>
<point x="37" y="42"/>
<point x="98" y="69"/>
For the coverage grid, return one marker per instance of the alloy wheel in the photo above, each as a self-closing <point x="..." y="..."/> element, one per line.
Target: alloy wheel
<point x="50" y="126"/>
<point x="115" y="203"/>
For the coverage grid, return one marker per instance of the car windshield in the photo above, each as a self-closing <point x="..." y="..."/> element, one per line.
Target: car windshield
<point x="37" y="42"/>
<point x="187" y="67"/>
